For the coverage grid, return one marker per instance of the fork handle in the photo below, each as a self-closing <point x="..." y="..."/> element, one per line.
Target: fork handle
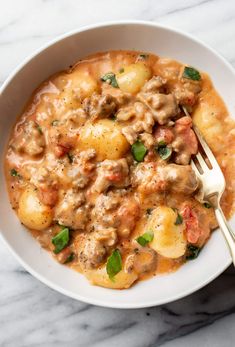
<point x="227" y="231"/>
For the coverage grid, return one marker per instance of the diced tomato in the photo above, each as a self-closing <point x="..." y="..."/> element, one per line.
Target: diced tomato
<point x="193" y="230"/>
<point x="48" y="195"/>
<point x="150" y="156"/>
<point x="128" y="214"/>
<point x="183" y="129"/>
<point x="64" y="255"/>
<point x="61" y="150"/>
<point x="114" y="176"/>
<point x="190" y="99"/>
<point x="163" y="133"/>
<point x="184" y="122"/>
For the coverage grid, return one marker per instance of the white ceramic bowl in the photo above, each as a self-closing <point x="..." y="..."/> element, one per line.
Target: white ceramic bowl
<point x="58" y="55"/>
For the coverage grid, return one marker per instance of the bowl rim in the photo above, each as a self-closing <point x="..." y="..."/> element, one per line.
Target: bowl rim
<point x="27" y="266"/>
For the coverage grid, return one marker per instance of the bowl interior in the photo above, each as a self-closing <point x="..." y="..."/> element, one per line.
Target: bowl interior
<point x="213" y="259"/>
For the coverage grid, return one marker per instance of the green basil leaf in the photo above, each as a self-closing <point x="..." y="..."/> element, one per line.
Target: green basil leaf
<point x="110" y="78"/>
<point x="192" y="252"/>
<point x="164" y="152"/>
<point x="14" y="173"/>
<point x="61" y="240"/>
<point x="207" y="205"/>
<point x="179" y="219"/>
<point x="191" y="73"/>
<point x="138" y="151"/>
<point x="114" y="264"/>
<point x="144" y="239"/>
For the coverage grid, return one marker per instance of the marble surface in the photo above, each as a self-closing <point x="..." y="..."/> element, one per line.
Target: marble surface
<point x="32" y="314"/>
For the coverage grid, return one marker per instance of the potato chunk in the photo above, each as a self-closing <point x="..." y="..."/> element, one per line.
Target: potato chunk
<point x="122" y="280"/>
<point x="169" y="239"/>
<point x="74" y="88"/>
<point x="134" y="77"/>
<point x="87" y="85"/>
<point x="105" y="137"/>
<point x="82" y="83"/>
<point x="32" y="213"/>
<point x="207" y="118"/>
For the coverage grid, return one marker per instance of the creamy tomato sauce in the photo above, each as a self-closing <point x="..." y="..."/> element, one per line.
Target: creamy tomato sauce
<point x="98" y="165"/>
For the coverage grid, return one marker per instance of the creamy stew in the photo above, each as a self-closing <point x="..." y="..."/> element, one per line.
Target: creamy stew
<point x="98" y="165"/>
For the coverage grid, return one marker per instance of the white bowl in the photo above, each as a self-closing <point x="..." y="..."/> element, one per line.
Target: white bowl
<point x="57" y="56"/>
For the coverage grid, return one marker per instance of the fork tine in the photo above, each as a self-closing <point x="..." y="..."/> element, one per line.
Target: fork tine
<point x="194" y="166"/>
<point x="204" y="145"/>
<point x="206" y="148"/>
<point x="195" y="169"/>
<point x="202" y="161"/>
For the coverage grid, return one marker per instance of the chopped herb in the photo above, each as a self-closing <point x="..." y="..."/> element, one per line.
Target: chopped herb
<point x="39" y="129"/>
<point x="161" y="143"/>
<point x="191" y="73"/>
<point x="144" y="56"/>
<point x="192" y="252"/>
<point x="70" y="157"/>
<point x="55" y="122"/>
<point x="14" y="173"/>
<point x="149" y="211"/>
<point x="69" y="259"/>
<point x="164" y="152"/>
<point x="138" y="151"/>
<point x="110" y="78"/>
<point x="121" y="70"/>
<point x="61" y="240"/>
<point x="144" y="239"/>
<point x="207" y="205"/>
<point x="179" y="219"/>
<point x="113" y="117"/>
<point x="114" y="264"/>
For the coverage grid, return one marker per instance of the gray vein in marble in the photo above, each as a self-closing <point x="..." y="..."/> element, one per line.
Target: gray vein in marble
<point x="188" y="7"/>
<point x="205" y="319"/>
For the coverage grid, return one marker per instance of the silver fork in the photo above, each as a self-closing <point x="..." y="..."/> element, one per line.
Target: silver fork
<point x="213" y="184"/>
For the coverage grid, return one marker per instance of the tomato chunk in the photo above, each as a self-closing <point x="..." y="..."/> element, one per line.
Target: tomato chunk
<point x="48" y="195"/>
<point x="61" y="150"/>
<point x="163" y="133"/>
<point x="193" y="230"/>
<point x="114" y="177"/>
